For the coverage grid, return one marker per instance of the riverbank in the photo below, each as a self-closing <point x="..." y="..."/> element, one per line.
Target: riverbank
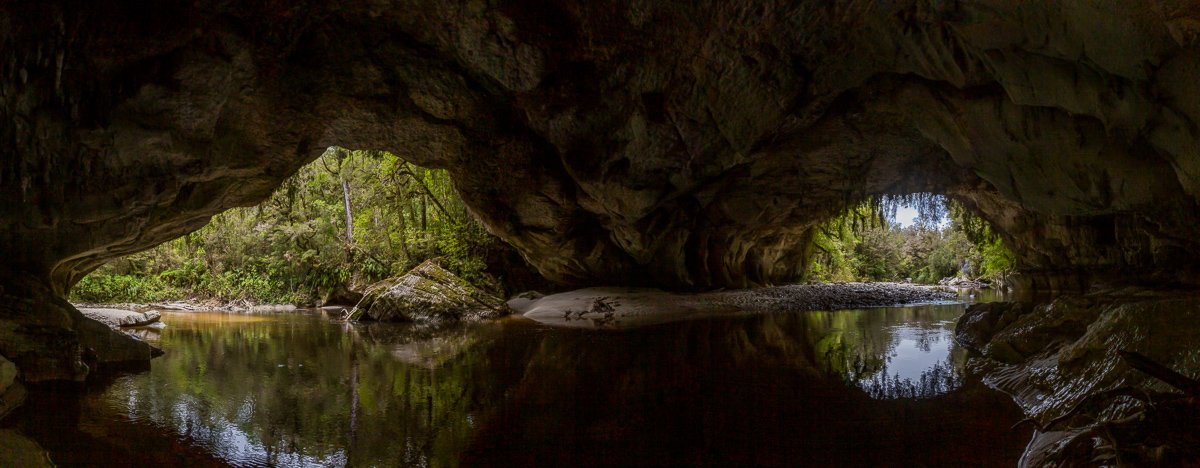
<point x="189" y="306"/>
<point x="634" y="307"/>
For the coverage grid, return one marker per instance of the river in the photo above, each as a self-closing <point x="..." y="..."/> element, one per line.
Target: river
<point x="877" y="387"/>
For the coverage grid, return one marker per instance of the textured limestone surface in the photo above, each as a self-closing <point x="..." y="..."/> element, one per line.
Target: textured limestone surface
<point x="427" y="294"/>
<point x="678" y="144"/>
<point x="1059" y="361"/>
<point x="116" y="318"/>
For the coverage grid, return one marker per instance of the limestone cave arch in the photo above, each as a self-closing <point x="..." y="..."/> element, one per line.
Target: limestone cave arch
<point x="673" y="144"/>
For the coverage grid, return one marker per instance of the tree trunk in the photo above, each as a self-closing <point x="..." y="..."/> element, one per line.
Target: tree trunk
<point x="349" y="213"/>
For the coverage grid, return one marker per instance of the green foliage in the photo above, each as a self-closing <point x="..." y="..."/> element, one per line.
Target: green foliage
<point x="123" y="288"/>
<point x="998" y="261"/>
<point x="299" y="244"/>
<point x="863" y="245"/>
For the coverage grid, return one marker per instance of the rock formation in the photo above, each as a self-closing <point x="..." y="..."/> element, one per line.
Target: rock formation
<point x="678" y="144"/>
<point x="117" y="318"/>
<point x="1061" y="362"/>
<point x="428" y="294"/>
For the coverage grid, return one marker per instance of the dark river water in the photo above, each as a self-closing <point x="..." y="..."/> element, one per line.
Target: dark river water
<point x="872" y="387"/>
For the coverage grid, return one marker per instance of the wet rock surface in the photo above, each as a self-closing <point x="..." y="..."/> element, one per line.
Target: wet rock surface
<point x="1059" y="361"/>
<point x="49" y="339"/>
<point x="37" y="331"/>
<point x="107" y="347"/>
<point x="427" y="294"/>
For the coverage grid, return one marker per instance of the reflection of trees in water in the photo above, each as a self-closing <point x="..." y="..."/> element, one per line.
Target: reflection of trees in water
<point x="737" y="392"/>
<point x="302" y="390"/>
<point x="926" y="340"/>
<point x="937" y="380"/>
<point x="860" y="344"/>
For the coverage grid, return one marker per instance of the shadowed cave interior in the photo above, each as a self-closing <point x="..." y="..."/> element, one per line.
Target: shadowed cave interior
<point x="676" y="145"/>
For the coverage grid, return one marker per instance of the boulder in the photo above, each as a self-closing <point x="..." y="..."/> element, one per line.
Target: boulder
<point x="103" y="345"/>
<point x="981" y="322"/>
<point x="117" y="318"/>
<point x="1062" y="363"/>
<point x="427" y="294"/>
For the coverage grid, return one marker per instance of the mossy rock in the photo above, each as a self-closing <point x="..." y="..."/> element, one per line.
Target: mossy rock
<point x="427" y="294"/>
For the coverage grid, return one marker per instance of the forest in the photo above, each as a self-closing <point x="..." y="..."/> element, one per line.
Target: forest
<point x="348" y="218"/>
<point x="945" y="240"/>
<point x="352" y="218"/>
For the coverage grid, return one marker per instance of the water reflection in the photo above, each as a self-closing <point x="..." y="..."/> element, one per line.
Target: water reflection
<point x="300" y="389"/>
<point x="893" y="352"/>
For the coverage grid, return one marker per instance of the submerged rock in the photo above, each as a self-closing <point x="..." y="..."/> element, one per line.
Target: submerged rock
<point x="427" y="293"/>
<point x="976" y="328"/>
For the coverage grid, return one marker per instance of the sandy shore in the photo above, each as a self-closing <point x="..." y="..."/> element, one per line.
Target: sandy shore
<point x="634" y="307"/>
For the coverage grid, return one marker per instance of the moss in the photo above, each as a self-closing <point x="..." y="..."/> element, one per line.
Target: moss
<point x="427" y="293"/>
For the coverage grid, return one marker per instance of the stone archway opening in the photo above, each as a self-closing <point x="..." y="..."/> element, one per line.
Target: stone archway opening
<point x="922" y="237"/>
<point x="347" y="220"/>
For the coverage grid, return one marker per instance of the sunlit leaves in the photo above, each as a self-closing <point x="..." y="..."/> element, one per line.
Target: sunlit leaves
<point x="294" y="247"/>
<point x="863" y="244"/>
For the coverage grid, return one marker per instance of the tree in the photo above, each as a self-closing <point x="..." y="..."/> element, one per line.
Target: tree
<point x="864" y="245"/>
<point x="349" y="217"/>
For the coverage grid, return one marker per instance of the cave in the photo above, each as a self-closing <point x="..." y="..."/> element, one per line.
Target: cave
<point x="684" y="146"/>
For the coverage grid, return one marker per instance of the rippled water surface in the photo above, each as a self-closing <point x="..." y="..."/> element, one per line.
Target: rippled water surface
<point x="865" y="387"/>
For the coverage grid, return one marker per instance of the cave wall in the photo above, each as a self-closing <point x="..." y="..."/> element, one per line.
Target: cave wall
<point x="681" y="144"/>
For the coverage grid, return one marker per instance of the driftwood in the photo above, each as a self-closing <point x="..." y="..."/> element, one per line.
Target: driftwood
<point x="1183" y="383"/>
<point x="176" y="306"/>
